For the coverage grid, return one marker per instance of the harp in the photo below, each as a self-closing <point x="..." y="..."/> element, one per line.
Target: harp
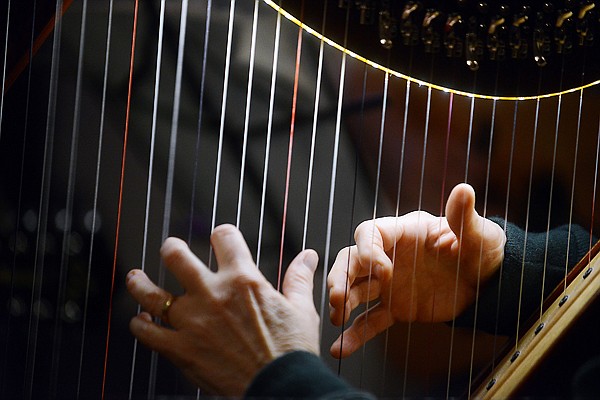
<point x="135" y="120"/>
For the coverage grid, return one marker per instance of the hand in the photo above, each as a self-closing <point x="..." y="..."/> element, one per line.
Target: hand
<point x="439" y="263"/>
<point x="228" y="324"/>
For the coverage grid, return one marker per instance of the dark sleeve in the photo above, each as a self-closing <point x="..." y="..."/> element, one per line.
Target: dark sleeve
<point x="300" y="375"/>
<point x="534" y="264"/>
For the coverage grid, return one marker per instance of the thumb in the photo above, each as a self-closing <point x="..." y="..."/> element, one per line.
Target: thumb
<point x="461" y="215"/>
<point x="298" y="280"/>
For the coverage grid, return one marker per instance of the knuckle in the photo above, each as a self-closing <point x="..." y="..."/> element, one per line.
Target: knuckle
<point x="244" y="280"/>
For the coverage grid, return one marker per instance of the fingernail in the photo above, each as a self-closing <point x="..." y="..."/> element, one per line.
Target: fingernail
<point x="130" y="275"/>
<point x="310" y="259"/>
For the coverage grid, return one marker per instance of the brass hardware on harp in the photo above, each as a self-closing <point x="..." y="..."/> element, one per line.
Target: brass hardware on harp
<point x="386" y="29"/>
<point x="409" y="29"/>
<point x="491" y="38"/>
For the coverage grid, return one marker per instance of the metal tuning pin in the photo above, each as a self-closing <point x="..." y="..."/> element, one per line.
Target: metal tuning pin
<point x="495" y="43"/>
<point x="471" y="50"/>
<point x="342" y="3"/>
<point x="409" y="30"/>
<point x="561" y="33"/>
<point x="452" y="37"/>
<point x="387" y="29"/>
<point x="542" y="35"/>
<point x="538" y="46"/>
<point x="431" y="36"/>
<point x="517" y="40"/>
<point x="366" y="14"/>
<point x="584" y="34"/>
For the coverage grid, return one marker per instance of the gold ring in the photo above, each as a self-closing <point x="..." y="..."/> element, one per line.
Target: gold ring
<point x="166" y="305"/>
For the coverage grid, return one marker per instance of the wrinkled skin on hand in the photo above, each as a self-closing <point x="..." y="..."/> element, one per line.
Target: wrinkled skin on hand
<point x="228" y="324"/>
<point x="438" y="266"/>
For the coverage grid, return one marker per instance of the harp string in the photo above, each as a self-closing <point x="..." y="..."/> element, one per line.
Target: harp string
<point x="504" y="224"/>
<point x="354" y="194"/>
<point x="453" y="327"/>
<point x="551" y="197"/>
<point x="314" y="129"/>
<point x="159" y="53"/>
<point x="484" y="215"/>
<point x="410" y="326"/>
<point x="374" y="215"/>
<point x="222" y="121"/>
<point x="120" y="196"/>
<point x="42" y="222"/>
<point x="200" y="118"/>
<point x="68" y="210"/>
<point x="290" y="151"/>
<point x="248" y="105"/>
<point x="268" y="138"/>
<point x="573" y="177"/>
<point x="35" y="46"/>
<point x="396" y="214"/>
<point x="94" y="214"/>
<point x="168" y="204"/>
<point x="19" y="203"/>
<point x="334" y="165"/>
<point x="526" y="228"/>
<point x="4" y="65"/>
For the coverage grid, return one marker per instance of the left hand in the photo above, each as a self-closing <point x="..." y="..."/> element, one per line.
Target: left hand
<point x="228" y="324"/>
<point x="420" y="267"/>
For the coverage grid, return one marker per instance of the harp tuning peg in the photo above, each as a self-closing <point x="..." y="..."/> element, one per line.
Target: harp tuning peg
<point x="538" y="56"/>
<point x="495" y="41"/>
<point x="409" y="29"/>
<point x="387" y="29"/>
<point x="431" y="35"/>
<point x="452" y="41"/>
<point x="471" y="51"/>
<point x="583" y="23"/>
<point x="584" y="9"/>
<point x="365" y="8"/>
<point x="561" y="33"/>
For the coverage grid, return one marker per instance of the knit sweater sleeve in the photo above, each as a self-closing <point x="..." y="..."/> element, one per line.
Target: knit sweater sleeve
<point x="301" y="375"/>
<point x="534" y="264"/>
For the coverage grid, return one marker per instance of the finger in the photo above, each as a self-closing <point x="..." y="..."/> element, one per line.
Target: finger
<point x="365" y="327"/>
<point x="230" y="248"/>
<point x="152" y="298"/>
<point x="183" y="263"/>
<point x="361" y="292"/>
<point x="156" y="337"/>
<point x="460" y="212"/>
<point x="345" y="270"/>
<point x="298" y="280"/>
<point x="467" y="224"/>
<point x="371" y="245"/>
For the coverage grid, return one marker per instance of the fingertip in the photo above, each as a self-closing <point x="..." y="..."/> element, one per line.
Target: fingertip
<point x="460" y="208"/>
<point x="310" y="258"/>
<point x="384" y="271"/>
<point x="335" y="349"/>
<point x="172" y="244"/>
<point x="139" y="324"/>
<point x="130" y="275"/>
